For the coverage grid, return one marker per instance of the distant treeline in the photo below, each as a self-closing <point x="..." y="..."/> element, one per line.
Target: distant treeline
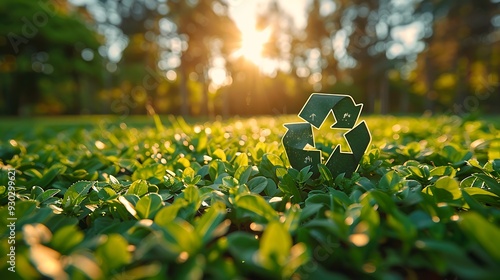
<point x="184" y="57"/>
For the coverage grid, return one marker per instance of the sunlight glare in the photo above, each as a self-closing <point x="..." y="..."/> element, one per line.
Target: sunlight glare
<point x="218" y="77"/>
<point x="252" y="44"/>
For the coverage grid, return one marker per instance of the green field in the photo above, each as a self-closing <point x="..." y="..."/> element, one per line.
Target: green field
<point x="163" y="198"/>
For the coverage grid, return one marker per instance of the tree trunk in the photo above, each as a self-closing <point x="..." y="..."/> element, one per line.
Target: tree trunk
<point x="429" y="84"/>
<point x="76" y="107"/>
<point x="463" y="74"/>
<point x="184" y="92"/>
<point x="225" y="102"/>
<point x="86" y="96"/>
<point x="204" y="97"/>
<point x="404" y="102"/>
<point x="372" y="92"/>
<point x="384" y="94"/>
<point x="11" y="97"/>
<point x="29" y="94"/>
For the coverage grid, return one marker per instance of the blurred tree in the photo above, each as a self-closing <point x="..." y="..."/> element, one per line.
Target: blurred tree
<point x="132" y="52"/>
<point x="49" y="55"/>
<point x="180" y="56"/>
<point x="283" y="52"/>
<point x="463" y="36"/>
<point x="210" y="37"/>
<point x="320" y="31"/>
<point x="182" y="40"/>
<point x="280" y="27"/>
<point x="363" y="45"/>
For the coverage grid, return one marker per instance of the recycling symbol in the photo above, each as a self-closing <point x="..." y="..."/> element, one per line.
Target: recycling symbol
<point x="299" y="138"/>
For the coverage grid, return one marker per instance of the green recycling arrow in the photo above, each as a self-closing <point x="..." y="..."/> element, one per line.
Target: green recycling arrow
<point x="299" y="139"/>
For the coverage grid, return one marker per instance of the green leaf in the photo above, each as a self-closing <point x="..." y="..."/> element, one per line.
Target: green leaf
<point x="219" y="154"/>
<point x="496" y="164"/>
<point x="182" y="162"/>
<point x="274" y="246"/>
<point x="468" y="182"/>
<point x="182" y="237"/>
<point x="128" y="206"/>
<point x="49" y="175"/>
<point x="46" y="195"/>
<point x="492" y="183"/>
<point x="310" y="210"/>
<point x="266" y="166"/>
<point x="412" y="149"/>
<point x="77" y="193"/>
<point x="106" y="193"/>
<point x="33" y="173"/>
<point x="271" y="188"/>
<point x="192" y="195"/>
<point x="188" y="173"/>
<point x="325" y="173"/>
<point x="299" y="256"/>
<point x="158" y="124"/>
<point x="148" y="205"/>
<point x="288" y="185"/>
<point x="494" y="151"/>
<point x="168" y="213"/>
<point x="391" y="181"/>
<point x="193" y="268"/>
<point x="243" y="246"/>
<point x="257" y="184"/>
<point x="447" y="189"/>
<point x="483" y="196"/>
<point x="384" y="201"/>
<point x="208" y="225"/>
<point x="153" y="173"/>
<point x="456" y="258"/>
<point x="482" y="231"/>
<point x="241" y="160"/>
<point x="138" y="187"/>
<point x="443" y="171"/>
<point x="256" y="204"/>
<point x="214" y="169"/>
<point x="243" y="173"/>
<point x="35" y="192"/>
<point x="403" y="225"/>
<point x="66" y="238"/>
<point x="229" y="182"/>
<point x="113" y="253"/>
<point x="114" y="182"/>
<point x="129" y="164"/>
<point x="454" y="154"/>
<point x="474" y="204"/>
<point x="304" y="174"/>
<point x="292" y="218"/>
<point x="132" y="198"/>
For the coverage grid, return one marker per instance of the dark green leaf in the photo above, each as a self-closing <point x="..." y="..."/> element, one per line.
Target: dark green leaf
<point x="257" y="184"/>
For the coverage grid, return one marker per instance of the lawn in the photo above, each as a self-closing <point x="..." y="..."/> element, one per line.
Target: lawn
<point x="164" y="198"/>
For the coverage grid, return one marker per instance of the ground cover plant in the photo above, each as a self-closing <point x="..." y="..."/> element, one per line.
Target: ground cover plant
<point x="167" y="199"/>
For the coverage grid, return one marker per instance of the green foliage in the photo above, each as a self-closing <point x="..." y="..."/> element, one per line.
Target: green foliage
<point x="188" y="202"/>
<point x="43" y="42"/>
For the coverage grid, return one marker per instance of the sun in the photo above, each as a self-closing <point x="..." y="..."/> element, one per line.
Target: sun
<point x="252" y="44"/>
<point x="252" y="47"/>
